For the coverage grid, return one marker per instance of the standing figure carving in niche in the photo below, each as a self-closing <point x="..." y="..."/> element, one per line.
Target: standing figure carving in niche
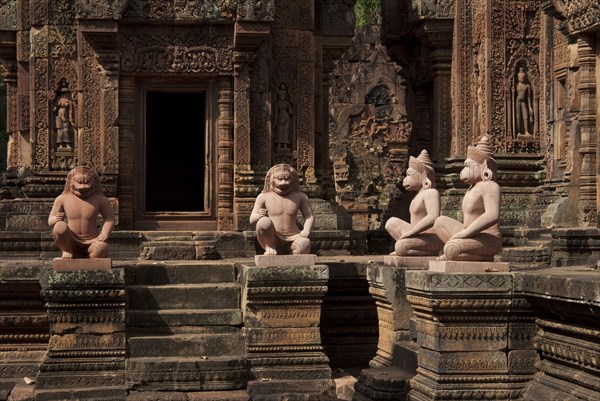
<point x="275" y="211"/>
<point x="524" y="106"/>
<point x="478" y="238"/>
<point x="417" y="238"/>
<point x="64" y="116"/>
<point x="74" y="213"/>
<point x="283" y="118"/>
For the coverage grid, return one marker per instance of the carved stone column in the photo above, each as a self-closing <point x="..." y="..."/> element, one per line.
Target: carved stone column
<point x="282" y="312"/>
<point x="86" y="352"/>
<point x="243" y="144"/>
<point x="437" y="34"/>
<point x="475" y="337"/>
<point x="388" y="288"/>
<point x="588" y="128"/>
<point x="225" y="129"/>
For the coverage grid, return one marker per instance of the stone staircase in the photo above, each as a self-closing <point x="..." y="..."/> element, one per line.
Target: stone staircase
<point x="528" y="248"/>
<point x="184" y="327"/>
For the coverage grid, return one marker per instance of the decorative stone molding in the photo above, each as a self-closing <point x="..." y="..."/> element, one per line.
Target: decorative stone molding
<point x="87" y="314"/>
<point x="282" y="311"/>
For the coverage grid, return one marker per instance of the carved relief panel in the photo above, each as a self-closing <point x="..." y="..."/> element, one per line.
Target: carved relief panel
<point x="369" y="133"/>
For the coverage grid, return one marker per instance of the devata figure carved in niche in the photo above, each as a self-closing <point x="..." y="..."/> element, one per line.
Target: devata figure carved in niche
<point x="74" y="213"/>
<point x="417" y="238"/>
<point x="478" y="238"/>
<point x="524" y="107"/>
<point x="275" y="211"/>
<point x="283" y="118"/>
<point x="64" y="116"/>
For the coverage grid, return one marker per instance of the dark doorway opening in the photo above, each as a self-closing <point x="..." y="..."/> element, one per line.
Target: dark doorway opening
<point x="175" y="151"/>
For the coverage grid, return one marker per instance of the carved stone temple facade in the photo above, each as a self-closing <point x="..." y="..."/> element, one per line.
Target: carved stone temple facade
<point x="182" y="106"/>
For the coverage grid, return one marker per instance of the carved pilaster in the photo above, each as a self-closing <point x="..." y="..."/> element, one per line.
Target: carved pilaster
<point x="475" y="336"/>
<point x="225" y="155"/>
<point x="588" y="128"/>
<point x="87" y="314"/>
<point x="437" y="34"/>
<point x="387" y="286"/>
<point x="282" y="312"/>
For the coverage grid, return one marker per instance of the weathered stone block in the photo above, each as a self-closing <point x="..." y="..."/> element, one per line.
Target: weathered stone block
<point x="448" y="266"/>
<point x="408" y="261"/>
<point x="82" y="264"/>
<point x="285" y="260"/>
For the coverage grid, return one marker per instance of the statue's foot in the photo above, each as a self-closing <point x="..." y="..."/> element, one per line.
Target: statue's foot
<point x="440" y="258"/>
<point x="393" y="253"/>
<point x="270" y="251"/>
<point x="66" y="255"/>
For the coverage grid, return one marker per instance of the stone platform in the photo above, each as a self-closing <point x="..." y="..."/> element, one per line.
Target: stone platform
<point x="408" y="261"/>
<point x="285" y="260"/>
<point x="82" y="264"/>
<point x="449" y="266"/>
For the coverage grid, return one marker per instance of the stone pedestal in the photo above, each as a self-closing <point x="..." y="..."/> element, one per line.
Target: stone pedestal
<point x="282" y="312"/>
<point x="86" y="352"/>
<point x="82" y="264"/>
<point x="285" y="260"/>
<point x="450" y="266"/>
<point x="23" y="323"/>
<point x="567" y="305"/>
<point x="388" y="288"/>
<point x="475" y="336"/>
<point x="408" y="261"/>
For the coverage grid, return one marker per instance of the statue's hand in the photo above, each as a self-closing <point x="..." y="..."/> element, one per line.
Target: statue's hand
<point x="263" y="212"/>
<point x="59" y="216"/>
<point x="102" y="237"/>
<point x="304" y="233"/>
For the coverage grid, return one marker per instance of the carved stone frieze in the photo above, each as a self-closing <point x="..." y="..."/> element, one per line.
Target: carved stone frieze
<point x="173" y="50"/>
<point x="369" y="130"/>
<point x="8" y="15"/>
<point x="184" y="10"/>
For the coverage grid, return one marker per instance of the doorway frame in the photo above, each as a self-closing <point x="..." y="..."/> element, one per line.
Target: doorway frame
<point x="165" y="220"/>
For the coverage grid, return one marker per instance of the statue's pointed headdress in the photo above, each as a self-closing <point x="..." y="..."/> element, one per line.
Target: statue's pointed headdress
<point x="482" y="154"/>
<point x="424" y="166"/>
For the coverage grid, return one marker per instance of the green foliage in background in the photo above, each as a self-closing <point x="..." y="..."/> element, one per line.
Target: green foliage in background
<point x="3" y="133"/>
<point x="364" y="11"/>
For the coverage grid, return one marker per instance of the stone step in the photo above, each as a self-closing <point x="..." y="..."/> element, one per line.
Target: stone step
<point x="184" y="296"/>
<point x="185" y="345"/>
<point x="188" y="374"/>
<point x="184" y="272"/>
<point x="231" y="395"/>
<point x="184" y="317"/>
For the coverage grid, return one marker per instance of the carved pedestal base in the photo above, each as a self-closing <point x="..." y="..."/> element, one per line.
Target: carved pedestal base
<point x="282" y="311"/>
<point x="285" y="260"/>
<point x="448" y="266"/>
<point x="383" y="384"/>
<point x="475" y="337"/>
<point x="86" y="352"/>
<point x="388" y="288"/>
<point x="82" y="264"/>
<point x="408" y="261"/>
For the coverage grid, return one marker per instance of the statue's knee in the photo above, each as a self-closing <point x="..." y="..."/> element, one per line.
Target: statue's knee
<point x="301" y="246"/>
<point x="392" y="221"/>
<point x="98" y="249"/>
<point x="60" y="228"/>
<point x="264" y="224"/>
